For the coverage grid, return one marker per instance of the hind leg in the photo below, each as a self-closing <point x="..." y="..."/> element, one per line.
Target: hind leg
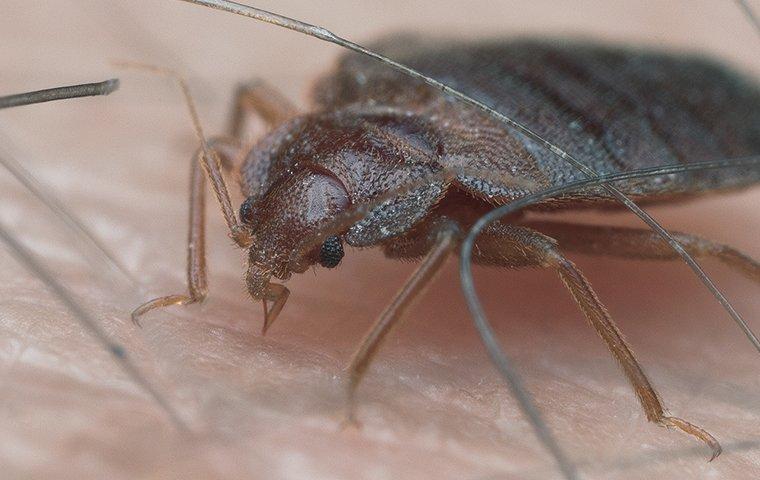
<point x="646" y="245"/>
<point x="636" y="243"/>
<point x="516" y="246"/>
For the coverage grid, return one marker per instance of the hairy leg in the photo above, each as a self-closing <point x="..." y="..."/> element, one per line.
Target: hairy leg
<point x="197" y="281"/>
<point x="255" y="99"/>
<point x="635" y="243"/>
<point x="441" y="243"/>
<point x="518" y="246"/>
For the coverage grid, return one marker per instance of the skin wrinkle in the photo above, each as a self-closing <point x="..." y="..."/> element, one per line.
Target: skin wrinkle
<point x="270" y="407"/>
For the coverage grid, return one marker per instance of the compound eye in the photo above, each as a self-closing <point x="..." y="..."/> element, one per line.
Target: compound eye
<point x="246" y="211"/>
<point x="331" y="252"/>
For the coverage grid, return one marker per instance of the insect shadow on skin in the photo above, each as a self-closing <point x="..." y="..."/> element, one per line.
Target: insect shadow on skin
<point x="329" y="251"/>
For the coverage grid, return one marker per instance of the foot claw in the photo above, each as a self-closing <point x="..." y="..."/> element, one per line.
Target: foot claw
<point x="160" y="302"/>
<point x="696" y="432"/>
<point x="716" y="451"/>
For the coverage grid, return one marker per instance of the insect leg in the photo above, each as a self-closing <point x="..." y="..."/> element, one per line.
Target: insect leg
<point x="444" y="242"/>
<point x="197" y="277"/>
<point x="514" y="246"/>
<point x="214" y="155"/>
<point x="641" y="244"/>
<point x="263" y="100"/>
<point x="196" y="249"/>
<point x="209" y="159"/>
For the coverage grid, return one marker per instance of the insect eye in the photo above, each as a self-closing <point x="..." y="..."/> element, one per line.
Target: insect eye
<point x="331" y="252"/>
<point x="246" y="211"/>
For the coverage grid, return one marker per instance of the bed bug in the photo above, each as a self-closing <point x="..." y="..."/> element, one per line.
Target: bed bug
<point x="147" y="232"/>
<point x="374" y="132"/>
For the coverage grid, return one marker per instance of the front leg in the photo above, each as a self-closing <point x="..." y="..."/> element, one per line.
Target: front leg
<point x="214" y="156"/>
<point x="197" y="277"/>
<point x="197" y="283"/>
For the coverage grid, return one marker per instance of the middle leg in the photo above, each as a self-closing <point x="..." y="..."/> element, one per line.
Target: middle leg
<point x="441" y="242"/>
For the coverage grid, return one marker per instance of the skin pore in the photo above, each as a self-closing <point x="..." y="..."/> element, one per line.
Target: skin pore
<point x="432" y="405"/>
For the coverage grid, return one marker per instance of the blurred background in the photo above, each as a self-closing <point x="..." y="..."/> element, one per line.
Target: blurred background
<point x="432" y="406"/>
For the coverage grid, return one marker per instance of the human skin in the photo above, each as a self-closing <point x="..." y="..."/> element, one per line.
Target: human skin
<point x="270" y="407"/>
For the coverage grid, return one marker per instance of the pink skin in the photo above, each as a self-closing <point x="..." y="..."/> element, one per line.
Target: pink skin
<point x="432" y="406"/>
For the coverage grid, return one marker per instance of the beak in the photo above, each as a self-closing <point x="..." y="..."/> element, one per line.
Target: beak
<point x="260" y="288"/>
<point x="278" y="295"/>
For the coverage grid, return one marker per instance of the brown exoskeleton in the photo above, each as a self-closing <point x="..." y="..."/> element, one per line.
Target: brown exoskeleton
<point x="429" y="166"/>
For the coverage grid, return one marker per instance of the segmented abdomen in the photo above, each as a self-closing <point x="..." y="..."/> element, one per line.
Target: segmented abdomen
<point x="612" y="108"/>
